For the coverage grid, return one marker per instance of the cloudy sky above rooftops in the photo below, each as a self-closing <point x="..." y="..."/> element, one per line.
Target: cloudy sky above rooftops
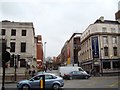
<point x="57" y="20"/>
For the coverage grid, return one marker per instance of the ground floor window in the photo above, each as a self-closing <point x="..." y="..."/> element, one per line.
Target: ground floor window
<point x="106" y="65"/>
<point x="22" y="63"/>
<point x="116" y="64"/>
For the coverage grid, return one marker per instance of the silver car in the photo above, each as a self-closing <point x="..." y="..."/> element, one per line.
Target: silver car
<point x="51" y="82"/>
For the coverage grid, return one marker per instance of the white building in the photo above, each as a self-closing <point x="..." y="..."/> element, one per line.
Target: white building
<point x="100" y="46"/>
<point x="19" y="37"/>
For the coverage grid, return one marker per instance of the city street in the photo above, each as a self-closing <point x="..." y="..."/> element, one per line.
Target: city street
<point x="93" y="82"/>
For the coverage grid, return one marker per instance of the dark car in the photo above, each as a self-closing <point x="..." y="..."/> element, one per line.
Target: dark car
<point x="51" y="82"/>
<point x="76" y="75"/>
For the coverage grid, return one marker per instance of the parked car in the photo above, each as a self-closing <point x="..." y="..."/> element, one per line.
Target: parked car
<point x="51" y="82"/>
<point x="64" y="70"/>
<point x="77" y="75"/>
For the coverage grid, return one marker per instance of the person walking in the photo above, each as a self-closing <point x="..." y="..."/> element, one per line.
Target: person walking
<point x="32" y="71"/>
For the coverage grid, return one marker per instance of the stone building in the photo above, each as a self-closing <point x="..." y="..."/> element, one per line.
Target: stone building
<point x="100" y="46"/>
<point x="69" y="52"/>
<point x="39" y="51"/>
<point x="20" y="37"/>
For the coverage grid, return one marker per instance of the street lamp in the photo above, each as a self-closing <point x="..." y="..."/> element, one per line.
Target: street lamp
<point x="101" y="61"/>
<point x="44" y="51"/>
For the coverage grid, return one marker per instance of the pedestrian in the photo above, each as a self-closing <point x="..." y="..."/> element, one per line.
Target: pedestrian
<point x="27" y="73"/>
<point x="32" y="71"/>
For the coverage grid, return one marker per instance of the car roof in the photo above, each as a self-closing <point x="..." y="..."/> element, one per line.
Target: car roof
<point x="45" y="73"/>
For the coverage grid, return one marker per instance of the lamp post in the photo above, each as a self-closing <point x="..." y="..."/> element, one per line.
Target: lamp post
<point x="44" y="51"/>
<point x="101" y="57"/>
<point x="5" y="56"/>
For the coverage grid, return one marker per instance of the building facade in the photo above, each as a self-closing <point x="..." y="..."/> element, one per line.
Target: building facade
<point x="100" y="47"/>
<point x="69" y="53"/>
<point x="63" y="54"/>
<point x="39" y="51"/>
<point x="19" y="36"/>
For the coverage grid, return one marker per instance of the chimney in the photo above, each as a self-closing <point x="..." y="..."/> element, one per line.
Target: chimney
<point x="101" y="18"/>
<point x="117" y="16"/>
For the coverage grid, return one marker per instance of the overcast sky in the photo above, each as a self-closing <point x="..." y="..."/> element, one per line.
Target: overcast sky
<point x="57" y="20"/>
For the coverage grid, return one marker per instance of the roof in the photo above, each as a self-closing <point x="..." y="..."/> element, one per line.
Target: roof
<point x="106" y="21"/>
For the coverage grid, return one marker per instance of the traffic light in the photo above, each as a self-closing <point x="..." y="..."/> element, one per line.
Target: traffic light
<point x="5" y="54"/>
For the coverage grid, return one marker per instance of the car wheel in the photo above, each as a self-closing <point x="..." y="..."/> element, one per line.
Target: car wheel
<point x="70" y="78"/>
<point x="25" y="87"/>
<point x="56" y="86"/>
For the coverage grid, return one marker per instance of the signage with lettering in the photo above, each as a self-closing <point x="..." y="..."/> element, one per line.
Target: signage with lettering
<point x="95" y="47"/>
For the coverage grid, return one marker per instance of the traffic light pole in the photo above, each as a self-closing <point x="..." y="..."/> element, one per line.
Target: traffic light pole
<point x="15" y="68"/>
<point x="3" y="77"/>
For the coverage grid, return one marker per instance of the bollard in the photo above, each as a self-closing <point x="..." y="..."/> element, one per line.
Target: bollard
<point x="42" y="82"/>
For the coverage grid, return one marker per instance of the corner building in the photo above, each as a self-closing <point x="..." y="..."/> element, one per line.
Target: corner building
<point x="100" y="47"/>
<point x="20" y="37"/>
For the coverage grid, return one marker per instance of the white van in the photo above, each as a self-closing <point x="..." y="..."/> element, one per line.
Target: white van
<point x="67" y="69"/>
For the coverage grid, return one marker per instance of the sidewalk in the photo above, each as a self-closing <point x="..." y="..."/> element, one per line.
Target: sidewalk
<point x="11" y="78"/>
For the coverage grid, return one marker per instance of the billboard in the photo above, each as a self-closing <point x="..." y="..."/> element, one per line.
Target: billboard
<point x="95" y="47"/>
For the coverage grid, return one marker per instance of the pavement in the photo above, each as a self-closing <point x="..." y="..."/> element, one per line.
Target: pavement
<point x="10" y="77"/>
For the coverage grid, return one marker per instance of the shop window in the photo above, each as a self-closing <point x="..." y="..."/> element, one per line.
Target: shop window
<point x="116" y="64"/>
<point x="106" y="65"/>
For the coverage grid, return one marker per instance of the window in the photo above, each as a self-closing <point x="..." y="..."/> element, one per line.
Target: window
<point x="13" y="32"/>
<point x="24" y="32"/>
<point x="12" y="61"/>
<point x="115" y="51"/>
<point x="114" y="40"/>
<point x="74" y="72"/>
<point x="116" y="64"/>
<point x="106" y="65"/>
<point x="37" y="78"/>
<point x="3" y="31"/>
<point x="49" y="77"/>
<point x="22" y="63"/>
<point x="106" y="51"/>
<point x="12" y="46"/>
<point x="104" y="29"/>
<point x="105" y="39"/>
<point x="23" y="47"/>
<point x="113" y="30"/>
